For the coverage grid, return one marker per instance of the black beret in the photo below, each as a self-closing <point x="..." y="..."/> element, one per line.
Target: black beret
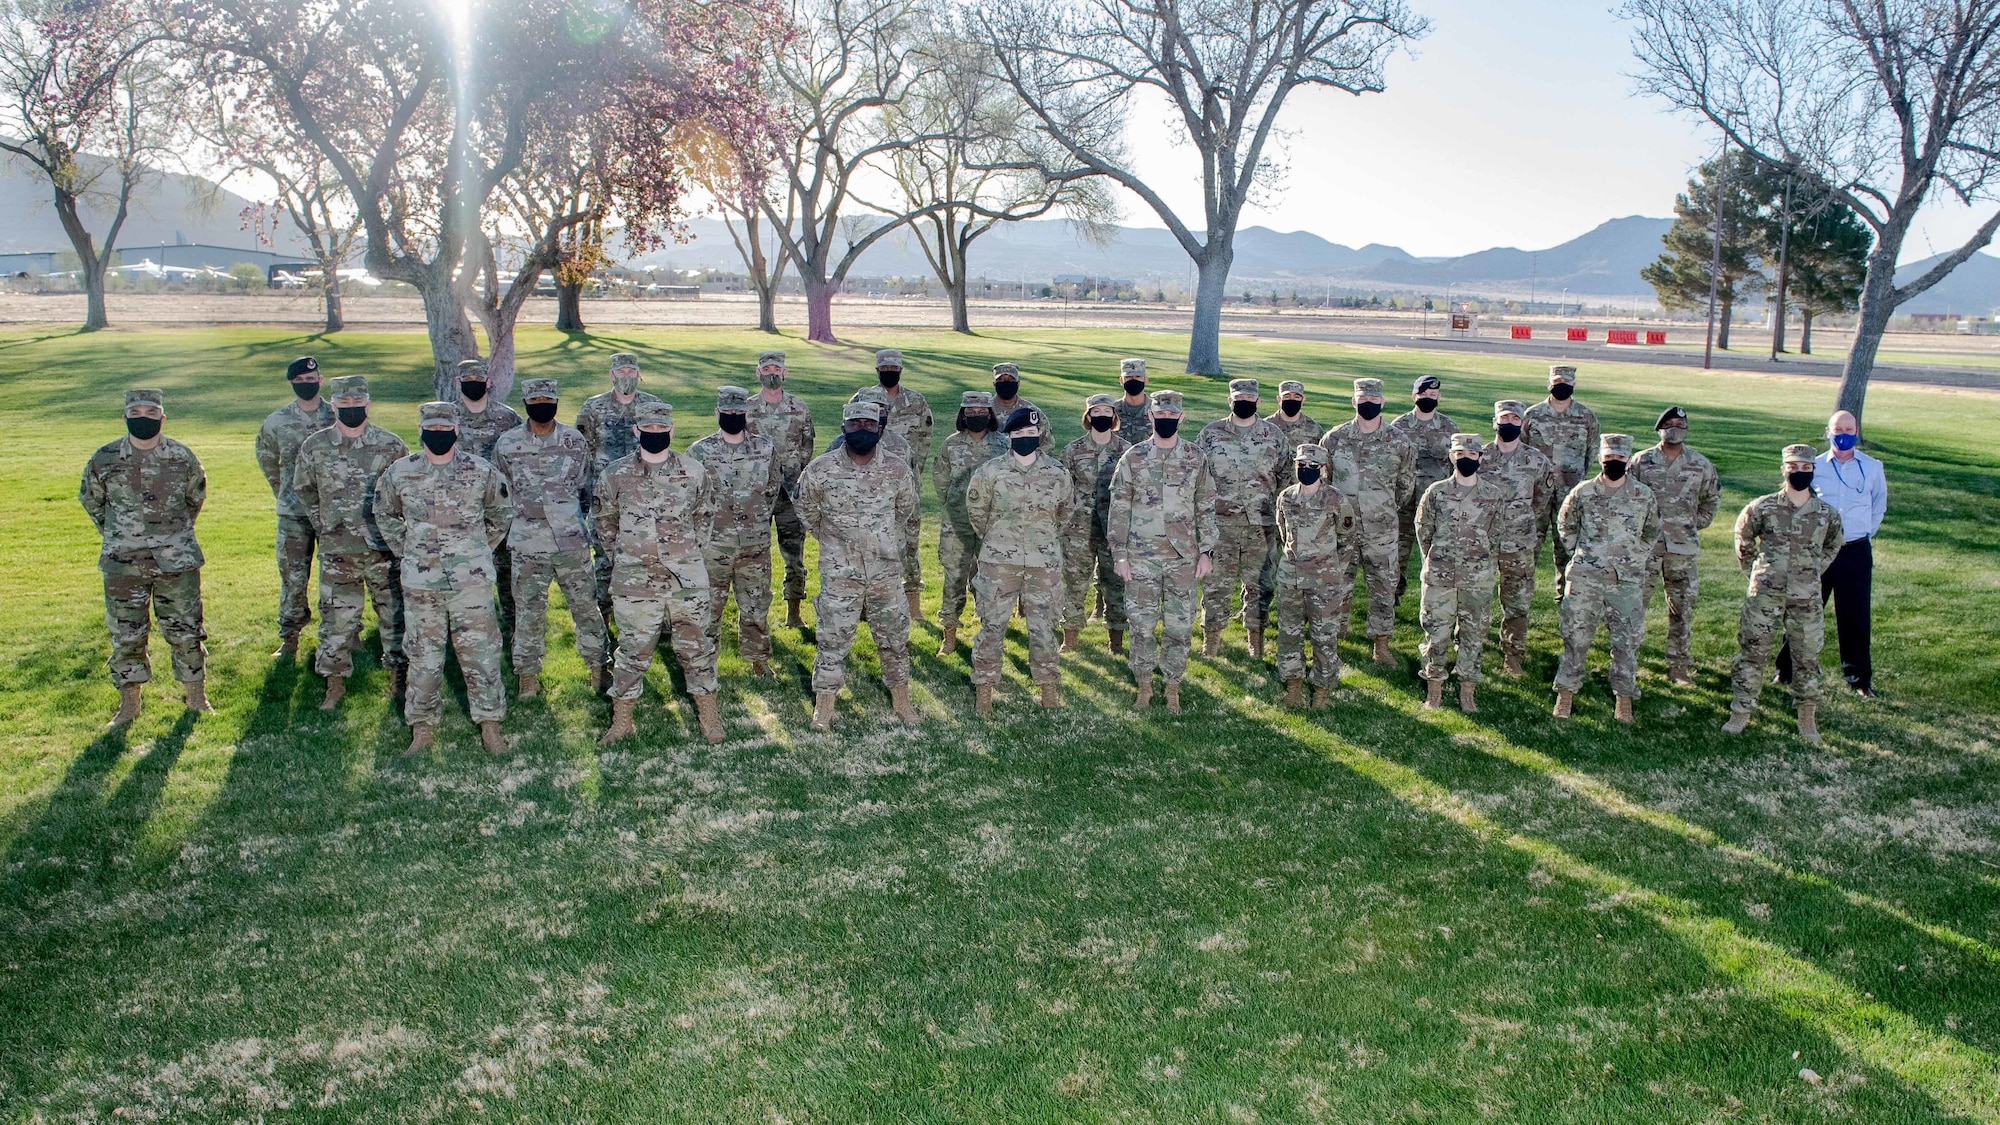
<point x="304" y="365"/>
<point x="1669" y="416"/>
<point x="1426" y="383"/>
<point x="1022" y="418"/>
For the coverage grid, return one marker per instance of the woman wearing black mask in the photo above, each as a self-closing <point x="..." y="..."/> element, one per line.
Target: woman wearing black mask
<point x="976" y="440"/>
<point x="1313" y="588"/>
<point x="1018" y="505"/>
<point x="1529" y="487"/>
<point x="1090" y="461"/>
<point x="1161" y="530"/>
<point x="1454" y="527"/>
<point x="744" y="468"/>
<point x="1608" y="526"/>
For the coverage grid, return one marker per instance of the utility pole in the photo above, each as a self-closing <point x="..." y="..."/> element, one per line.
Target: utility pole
<point x="1784" y="245"/>
<point x="1715" y="264"/>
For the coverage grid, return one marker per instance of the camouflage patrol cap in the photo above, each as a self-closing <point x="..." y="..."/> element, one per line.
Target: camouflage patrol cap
<point x="1311" y="453"/>
<point x="1512" y="406"/>
<point x="1131" y="367"/>
<point x="624" y="359"/>
<point x="474" y="368"/>
<point x="538" y="388"/>
<point x="876" y="395"/>
<point x="1011" y="370"/>
<point x="889" y="357"/>
<point x="1095" y="401"/>
<point x="148" y="396"/>
<point x="731" y="399"/>
<point x="1801" y="452"/>
<point x="1022" y="418"/>
<point x="1242" y="388"/>
<point x="1368" y="388"/>
<point x="304" y="365"/>
<point x="1167" y="402"/>
<point x="1467" y="443"/>
<point x="1562" y="373"/>
<point x="432" y="414"/>
<point x="1615" y="445"/>
<point x="975" y="400"/>
<point x="349" y="386"/>
<point x="859" y="410"/>
<point x="770" y="359"/>
<point x="653" y="414"/>
<point x="1291" y="387"/>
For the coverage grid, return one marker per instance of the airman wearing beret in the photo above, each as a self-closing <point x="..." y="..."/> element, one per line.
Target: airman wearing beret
<point x="1785" y="541"/>
<point x="1608" y="526"/>
<point x="1018" y="505"/>
<point x="1376" y="466"/>
<point x="277" y="456"/>
<point x="1688" y="490"/>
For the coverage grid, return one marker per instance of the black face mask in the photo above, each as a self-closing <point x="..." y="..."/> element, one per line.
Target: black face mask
<point x="861" y="442"/>
<point x="439" y="441"/>
<point x="889" y="378"/>
<point x="1006" y="389"/>
<point x="1166" y="427"/>
<point x="1614" y="470"/>
<point x="1368" y="411"/>
<point x="655" y="441"/>
<point x="1024" y="445"/>
<point x="1243" y="408"/>
<point x="1292" y="406"/>
<point x="1800" y="482"/>
<point x="1134" y="386"/>
<point x="1466" y="466"/>
<point x="732" y="423"/>
<point x="472" y="390"/>
<point x="1426" y="405"/>
<point x="1102" y="423"/>
<point x="1508" y="431"/>
<point x="353" y="417"/>
<point x="143" y="428"/>
<point x="977" y="423"/>
<point x="1308" y="474"/>
<point x="306" y="391"/>
<point x="541" y="413"/>
<point x="1561" y="392"/>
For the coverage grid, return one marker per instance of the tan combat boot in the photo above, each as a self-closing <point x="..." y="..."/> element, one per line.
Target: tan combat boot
<point x="288" y="647"/>
<point x="947" y="641"/>
<point x="490" y="739"/>
<point x="621" y="722"/>
<point x="1433" y="695"/>
<point x="823" y="709"/>
<point x="709" y="717"/>
<point x="531" y="686"/>
<point x="1257" y="644"/>
<point x="1564" y="699"/>
<point x="1382" y="654"/>
<point x="1808" y="722"/>
<point x="1069" y="639"/>
<point x="1322" y="697"/>
<point x="899" y="698"/>
<point x="421" y="736"/>
<point x="1145" y="696"/>
<point x="916" y="605"/>
<point x="336" y="690"/>
<point x="195" y="694"/>
<point x="130" y="700"/>
<point x="1466" y="703"/>
<point x="1051" y="696"/>
<point x="1680" y="673"/>
<point x="1739" y="721"/>
<point x="982" y="698"/>
<point x="792" y="618"/>
<point x="1514" y="669"/>
<point x="1295" y="692"/>
<point x="1174" y="696"/>
<point x="1211" y="643"/>
<point x="1117" y="642"/>
<point x="1624" y="712"/>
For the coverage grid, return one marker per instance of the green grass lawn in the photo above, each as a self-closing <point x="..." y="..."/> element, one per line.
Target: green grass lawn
<point x="1238" y="914"/>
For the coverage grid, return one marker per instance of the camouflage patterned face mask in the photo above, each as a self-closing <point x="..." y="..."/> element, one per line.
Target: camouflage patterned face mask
<point x="625" y="384"/>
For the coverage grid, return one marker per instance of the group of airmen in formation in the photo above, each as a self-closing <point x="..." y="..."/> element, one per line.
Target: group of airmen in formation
<point x="1266" y="509"/>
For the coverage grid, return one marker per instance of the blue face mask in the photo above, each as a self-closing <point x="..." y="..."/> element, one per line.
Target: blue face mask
<point x="1845" y="442"/>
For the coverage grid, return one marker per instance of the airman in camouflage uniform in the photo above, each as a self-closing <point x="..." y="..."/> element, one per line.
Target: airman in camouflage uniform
<point x="1007" y="398"/>
<point x="605" y="421"/>
<point x="1430" y="431"/>
<point x="909" y="419"/>
<point x="546" y="468"/>
<point x="1785" y="541"/>
<point x="1688" y="490"/>
<point x="1313" y="595"/>
<point x="1249" y="460"/>
<point x="1135" y="409"/>
<point x="1299" y="429"/>
<point x="1018" y="505"/>
<point x="1608" y="525"/>
<point x="1565" y="431"/>
<point x="144" y="492"/>
<point x="442" y="511"/>
<point x="744" y="468"/>
<point x="1527" y="480"/>
<point x="1161" y="530"/>
<point x="336" y="479"/>
<point x="277" y="455"/>
<point x="1376" y="466"/>
<point x="481" y="420"/>
<point x="975" y="440"/>
<point x="858" y="499"/>
<point x="780" y="417"/>
<point x="1091" y="461"/>
<point x="655" y="509"/>
<point x="1455" y="525"/>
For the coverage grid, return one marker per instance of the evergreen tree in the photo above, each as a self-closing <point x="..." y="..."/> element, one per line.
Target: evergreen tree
<point x="1680" y="276"/>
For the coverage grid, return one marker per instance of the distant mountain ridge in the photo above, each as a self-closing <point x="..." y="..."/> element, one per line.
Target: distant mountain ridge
<point x="175" y="208"/>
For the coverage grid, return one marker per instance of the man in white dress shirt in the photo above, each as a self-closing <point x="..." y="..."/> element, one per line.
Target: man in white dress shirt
<point x="1852" y="482"/>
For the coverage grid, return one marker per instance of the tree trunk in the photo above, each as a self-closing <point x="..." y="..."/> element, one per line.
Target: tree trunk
<point x="960" y="322"/>
<point x="1210" y="290"/>
<point x="1725" y="314"/>
<point x="1805" y="331"/>
<point x="329" y="287"/>
<point x="90" y="264"/>
<point x="449" y="330"/>
<point x="1877" y="306"/>
<point x="767" y="308"/>
<point x="819" y="311"/>
<point x="92" y="277"/>
<point x="569" y="307"/>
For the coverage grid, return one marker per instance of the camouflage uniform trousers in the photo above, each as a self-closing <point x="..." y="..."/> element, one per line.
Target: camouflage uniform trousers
<point x="296" y="547"/>
<point x="1373" y="557"/>
<point x="133" y="601"/>
<point x="837" y="612"/>
<point x="1455" y="611"/>
<point x="1081" y="563"/>
<point x="791" y="540"/>
<point x="1679" y="574"/>
<point x="1038" y="591"/>
<point x="1311" y="602"/>
<point x="1517" y="596"/>
<point x="1566" y="483"/>
<point x="465" y="619"/>
<point x="913" y="564"/>
<point x="1406" y="539"/>
<point x="1241" y="550"/>
<point x="1766" y="620"/>
<point x="1593" y="601"/>
<point x="503" y="583"/>
<point x="682" y="613"/>
<point x="571" y="571"/>
<point x="746" y="572"/>
<point x="1161" y="592"/>
<point x="345" y="581"/>
<point x="958" y="558"/>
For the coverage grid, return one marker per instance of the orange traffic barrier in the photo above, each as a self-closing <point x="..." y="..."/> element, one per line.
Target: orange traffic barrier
<point x="1621" y="336"/>
<point x="1523" y="332"/>
<point x="1653" y="337"/>
<point x="1579" y="335"/>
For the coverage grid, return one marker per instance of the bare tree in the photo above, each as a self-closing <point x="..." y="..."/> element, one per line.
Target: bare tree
<point x="734" y="176"/>
<point x="1227" y="67"/>
<point x="1884" y="100"/>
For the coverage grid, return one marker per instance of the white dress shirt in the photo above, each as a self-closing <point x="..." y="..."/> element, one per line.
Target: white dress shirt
<point x="1856" y="489"/>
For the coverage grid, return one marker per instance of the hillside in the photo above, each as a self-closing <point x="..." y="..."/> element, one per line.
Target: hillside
<point x="1973" y="289"/>
<point x="176" y="208"/>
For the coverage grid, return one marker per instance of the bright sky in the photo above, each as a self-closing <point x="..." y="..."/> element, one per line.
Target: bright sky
<point x="1514" y="125"/>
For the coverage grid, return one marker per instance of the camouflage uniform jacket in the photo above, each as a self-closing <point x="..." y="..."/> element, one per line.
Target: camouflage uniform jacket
<point x="1610" y="531"/>
<point x="788" y="425"/>
<point x="1786" y="546"/>
<point x="1688" y="490"/>
<point x="144" y="502"/>
<point x="547" y="476"/>
<point x="278" y="450"/>
<point x="443" y="521"/>
<point x="1310" y="526"/>
<point x="481" y="431"/>
<point x="1377" y="471"/>
<point x="745" y="488"/>
<point x="1135" y="422"/>
<point x="1162" y="503"/>
<point x="858" y="512"/>
<point x="1248" y="464"/>
<point x="910" y="419"/>
<point x="1091" y="468"/>
<point x="337" y="479"/>
<point x="1019" y="512"/>
<point x="1529" y="490"/>
<point x="961" y="453"/>
<point x="1454" y="527"/>
<point x="652" y="520"/>
<point x="1432" y="439"/>
<point x="1569" y="439"/>
<point x="1299" y="429"/>
<point x="606" y="425"/>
